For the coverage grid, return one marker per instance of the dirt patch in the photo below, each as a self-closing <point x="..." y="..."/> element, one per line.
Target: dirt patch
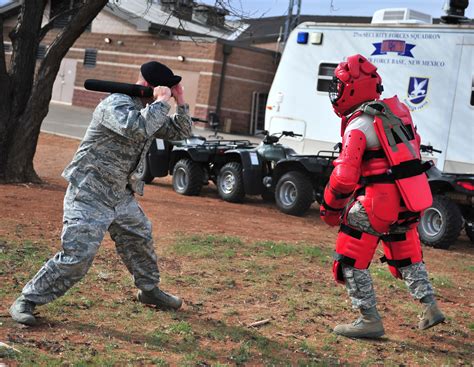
<point x="234" y="264"/>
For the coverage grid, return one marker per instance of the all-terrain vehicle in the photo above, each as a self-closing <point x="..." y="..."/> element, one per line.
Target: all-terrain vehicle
<point x="192" y="162"/>
<point x="277" y="173"/>
<point x="452" y="208"/>
<point x="246" y="171"/>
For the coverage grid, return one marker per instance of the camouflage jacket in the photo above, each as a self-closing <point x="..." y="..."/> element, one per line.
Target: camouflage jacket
<point x="112" y="153"/>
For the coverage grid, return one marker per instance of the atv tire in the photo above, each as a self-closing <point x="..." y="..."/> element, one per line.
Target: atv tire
<point x="187" y="177"/>
<point x="230" y="183"/>
<point x="146" y="175"/>
<point x="294" y="193"/>
<point x="441" y="223"/>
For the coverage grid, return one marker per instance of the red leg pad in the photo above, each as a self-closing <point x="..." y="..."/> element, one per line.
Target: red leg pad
<point x="402" y="250"/>
<point x="355" y="248"/>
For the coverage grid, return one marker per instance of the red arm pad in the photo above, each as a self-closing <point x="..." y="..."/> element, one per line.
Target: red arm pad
<point x="346" y="174"/>
<point x="344" y="177"/>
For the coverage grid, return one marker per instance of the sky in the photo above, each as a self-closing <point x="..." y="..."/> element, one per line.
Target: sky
<point x="258" y="8"/>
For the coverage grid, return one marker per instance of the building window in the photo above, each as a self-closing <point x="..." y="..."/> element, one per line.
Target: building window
<point x="41" y="52"/>
<point x="325" y="74"/>
<point x="257" y="116"/>
<point x="90" y="57"/>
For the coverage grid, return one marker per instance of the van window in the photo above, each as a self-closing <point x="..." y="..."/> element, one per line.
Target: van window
<point x="325" y="74"/>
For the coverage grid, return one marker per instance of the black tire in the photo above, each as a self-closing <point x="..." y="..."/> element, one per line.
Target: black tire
<point x="146" y="175"/>
<point x="187" y="177"/>
<point x="294" y="193"/>
<point x="230" y="183"/>
<point x="441" y="223"/>
<point x="469" y="228"/>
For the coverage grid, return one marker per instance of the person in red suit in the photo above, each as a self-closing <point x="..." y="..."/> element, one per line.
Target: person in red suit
<point x="376" y="193"/>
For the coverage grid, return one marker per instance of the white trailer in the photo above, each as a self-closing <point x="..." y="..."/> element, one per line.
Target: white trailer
<point x="430" y="67"/>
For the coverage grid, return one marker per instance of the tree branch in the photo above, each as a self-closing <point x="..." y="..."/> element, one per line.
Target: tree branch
<point x="66" y="38"/>
<point x="3" y="65"/>
<point x="24" y="48"/>
<point x="47" y="27"/>
<point x="58" y="48"/>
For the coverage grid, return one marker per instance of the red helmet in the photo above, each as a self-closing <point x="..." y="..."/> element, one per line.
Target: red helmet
<point x="354" y="82"/>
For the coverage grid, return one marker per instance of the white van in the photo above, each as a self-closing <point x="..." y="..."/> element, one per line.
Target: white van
<point x="430" y="67"/>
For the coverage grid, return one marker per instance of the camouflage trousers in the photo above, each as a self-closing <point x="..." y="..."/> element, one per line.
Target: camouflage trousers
<point x="359" y="281"/>
<point x="86" y="221"/>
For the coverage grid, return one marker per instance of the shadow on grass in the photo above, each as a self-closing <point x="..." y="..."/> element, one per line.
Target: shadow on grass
<point x="234" y="344"/>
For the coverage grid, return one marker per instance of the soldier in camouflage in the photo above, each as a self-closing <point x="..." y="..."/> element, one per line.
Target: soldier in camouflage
<point x="103" y="179"/>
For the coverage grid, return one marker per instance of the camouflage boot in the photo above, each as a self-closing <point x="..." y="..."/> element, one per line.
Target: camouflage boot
<point x="368" y="325"/>
<point x="160" y="299"/>
<point x="430" y="316"/>
<point x="22" y="311"/>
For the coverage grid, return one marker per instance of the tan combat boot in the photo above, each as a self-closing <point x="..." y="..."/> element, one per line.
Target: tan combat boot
<point x="368" y="325"/>
<point x="430" y="316"/>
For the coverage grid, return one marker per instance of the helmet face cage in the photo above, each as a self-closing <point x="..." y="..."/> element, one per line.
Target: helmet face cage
<point x="336" y="88"/>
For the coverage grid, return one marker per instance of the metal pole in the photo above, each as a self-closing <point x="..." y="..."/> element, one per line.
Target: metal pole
<point x="298" y="12"/>
<point x="289" y="20"/>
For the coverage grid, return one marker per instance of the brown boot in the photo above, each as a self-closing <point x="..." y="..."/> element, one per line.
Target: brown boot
<point x="430" y="316"/>
<point x="363" y="327"/>
<point x="160" y="299"/>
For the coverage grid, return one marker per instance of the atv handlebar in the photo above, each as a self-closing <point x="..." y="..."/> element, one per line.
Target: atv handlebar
<point x="429" y="149"/>
<point x="289" y="133"/>
<point x="274" y="138"/>
<point x="197" y="119"/>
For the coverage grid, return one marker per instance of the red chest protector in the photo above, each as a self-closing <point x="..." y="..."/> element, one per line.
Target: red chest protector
<point x="398" y="139"/>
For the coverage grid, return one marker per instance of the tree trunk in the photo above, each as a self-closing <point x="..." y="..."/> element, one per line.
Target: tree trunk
<point x="24" y="107"/>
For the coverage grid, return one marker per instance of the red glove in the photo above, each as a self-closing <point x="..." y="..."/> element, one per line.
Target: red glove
<point x="331" y="217"/>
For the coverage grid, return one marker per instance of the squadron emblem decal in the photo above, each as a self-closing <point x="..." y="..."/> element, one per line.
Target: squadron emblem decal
<point x="417" y="92"/>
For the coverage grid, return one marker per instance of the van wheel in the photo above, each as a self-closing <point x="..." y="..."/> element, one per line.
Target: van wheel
<point x="146" y="175"/>
<point x="230" y="183"/>
<point x="187" y="177"/>
<point x="294" y="193"/>
<point x="441" y="223"/>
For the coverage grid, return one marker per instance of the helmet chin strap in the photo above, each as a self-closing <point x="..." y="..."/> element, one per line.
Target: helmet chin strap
<point x="344" y="121"/>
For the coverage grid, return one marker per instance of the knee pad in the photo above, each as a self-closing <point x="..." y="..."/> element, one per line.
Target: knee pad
<point x="401" y="249"/>
<point x="354" y="248"/>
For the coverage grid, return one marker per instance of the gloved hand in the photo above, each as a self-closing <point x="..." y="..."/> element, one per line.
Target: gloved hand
<point x="330" y="217"/>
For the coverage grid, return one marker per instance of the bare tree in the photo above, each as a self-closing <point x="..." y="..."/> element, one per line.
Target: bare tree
<point x="26" y="88"/>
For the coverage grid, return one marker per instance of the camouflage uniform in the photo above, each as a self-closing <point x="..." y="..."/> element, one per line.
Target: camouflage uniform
<point x="103" y="178"/>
